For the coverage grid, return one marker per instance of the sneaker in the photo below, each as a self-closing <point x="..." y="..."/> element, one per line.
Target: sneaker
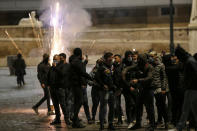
<point x="135" y="127"/>
<point x="55" y="122"/>
<point x="49" y="113"/>
<point x="68" y="122"/>
<point x="35" y="110"/>
<point x="168" y="126"/>
<point x="131" y="125"/>
<point x="111" y="127"/>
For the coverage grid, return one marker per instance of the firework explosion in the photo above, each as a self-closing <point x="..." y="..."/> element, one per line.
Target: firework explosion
<point x="66" y="19"/>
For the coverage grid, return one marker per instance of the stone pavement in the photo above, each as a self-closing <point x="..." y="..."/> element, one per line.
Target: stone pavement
<point x="15" y="106"/>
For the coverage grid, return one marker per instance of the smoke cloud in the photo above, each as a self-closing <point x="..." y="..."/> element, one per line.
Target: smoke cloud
<point x="64" y="19"/>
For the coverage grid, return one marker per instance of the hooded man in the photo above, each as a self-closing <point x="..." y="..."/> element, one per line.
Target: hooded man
<point x="76" y="74"/>
<point x="19" y="66"/>
<point x="43" y="69"/>
<point x="145" y="92"/>
<point x="190" y="77"/>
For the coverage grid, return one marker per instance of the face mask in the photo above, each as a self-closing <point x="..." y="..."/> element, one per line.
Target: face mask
<point x="55" y="61"/>
<point x="130" y="59"/>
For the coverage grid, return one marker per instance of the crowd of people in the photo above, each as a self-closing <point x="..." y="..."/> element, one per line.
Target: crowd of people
<point x="169" y="80"/>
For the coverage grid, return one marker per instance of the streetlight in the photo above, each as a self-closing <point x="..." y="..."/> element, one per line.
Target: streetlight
<point x="171" y="27"/>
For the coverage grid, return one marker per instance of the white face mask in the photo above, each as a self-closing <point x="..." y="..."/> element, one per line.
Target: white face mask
<point x="130" y="59"/>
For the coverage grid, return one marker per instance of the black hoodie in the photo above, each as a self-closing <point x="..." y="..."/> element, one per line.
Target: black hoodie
<point x="190" y="68"/>
<point x="77" y="72"/>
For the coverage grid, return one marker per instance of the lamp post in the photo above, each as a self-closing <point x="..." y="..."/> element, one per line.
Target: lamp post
<point x="171" y="27"/>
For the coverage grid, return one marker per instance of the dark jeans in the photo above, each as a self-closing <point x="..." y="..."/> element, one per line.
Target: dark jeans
<point x="58" y="98"/>
<point x="106" y="97"/>
<point x="95" y="101"/>
<point x="85" y="104"/>
<point x="161" y="107"/>
<point x="130" y="103"/>
<point x="20" y="79"/>
<point x="69" y="102"/>
<point x="78" y="101"/>
<point x="46" y="97"/>
<point x="146" y="97"/>
<point x="169" y="106"/>
<point x="118" y="108"/>
<point x="177" y="103"/>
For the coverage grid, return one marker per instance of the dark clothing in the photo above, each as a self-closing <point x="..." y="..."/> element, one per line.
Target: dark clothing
<point x="20" y="79"/>
<point x="175" y="76"/>
<point x="190" y="99"/>
<point x="43" y="69"/>
<point x="117" y="76"/>
<point x="58" y="98"/>
<point x="94" y="92"/>
<point x="118" y="81"/>
<point x="106" y="97"/>
<point x="145" y="93"/>
<point x="57" y="83"/>
<point x="130" y="73"/>
<point x="19" y="66"/>
<point x="76" y="75"/>
<point x="161" y="107"/>
<point x="77" y="72"/>
<point x="58" y="76"/>
<point x="145" y="97"/>
<point x="85" y="104"/>
<point x="130" y="101"/>
<point x="95" y="101"/>
<point x="190" y="74"/>
<point x="44" y="98"/>
<point x="104" y="77"/>
<point x="189" y="108"/>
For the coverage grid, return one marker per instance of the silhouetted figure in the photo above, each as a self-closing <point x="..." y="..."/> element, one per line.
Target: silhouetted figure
<point x="19" y="66"/>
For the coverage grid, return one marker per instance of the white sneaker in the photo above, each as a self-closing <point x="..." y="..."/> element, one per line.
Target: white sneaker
<point x="131" y="125"/>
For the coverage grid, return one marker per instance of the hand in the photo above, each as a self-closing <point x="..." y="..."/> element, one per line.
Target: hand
<point x="134" y="81"/>
<point x="105" y="87"/>
<point x="83" y="87"/>
<point x="132" y="89"/>
<point x="43" y="85"/>
<point x="163" y="92"/>
<point x="54" y="64"/>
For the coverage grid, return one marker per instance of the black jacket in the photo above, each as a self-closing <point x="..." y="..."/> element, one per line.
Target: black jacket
<point x="76" y="72"/>
<point x="58" y="76"/>
<point x="19" y="66"/>
<point x="117" y="75"/>
<point x="144" y="76"/>
<point x="129" y="73"/>
<point x="43" y="70"/>
<point x="104" y="77"/>
<point x="62" y="71"/>
<point x="190" y="74"/>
